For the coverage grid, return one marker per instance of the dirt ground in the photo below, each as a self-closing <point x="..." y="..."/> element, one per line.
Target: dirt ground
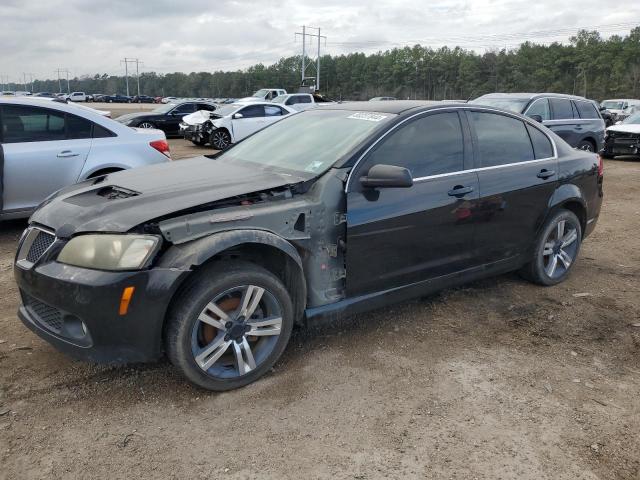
<point x="497" y="380"/>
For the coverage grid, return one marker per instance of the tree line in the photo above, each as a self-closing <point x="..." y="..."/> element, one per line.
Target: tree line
<point x="588" y="65"/>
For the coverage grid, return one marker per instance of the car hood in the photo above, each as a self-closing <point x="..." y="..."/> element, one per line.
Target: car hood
<point x="196" y="118"/>
<point x="625" y="128"/>
<point x="124" y="200"/>
<point x="130" y="116"/>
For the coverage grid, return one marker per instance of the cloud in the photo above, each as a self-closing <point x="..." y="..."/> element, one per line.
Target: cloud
<point x="201" y="35"/>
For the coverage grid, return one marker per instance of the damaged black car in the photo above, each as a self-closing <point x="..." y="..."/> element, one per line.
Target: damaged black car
<point x="213" y="260"/>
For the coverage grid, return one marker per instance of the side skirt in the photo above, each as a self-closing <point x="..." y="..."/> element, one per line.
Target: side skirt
<point x="371" y="301"/>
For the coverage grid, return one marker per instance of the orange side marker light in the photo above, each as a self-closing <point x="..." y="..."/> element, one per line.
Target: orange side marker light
<point x="127" y="293"/>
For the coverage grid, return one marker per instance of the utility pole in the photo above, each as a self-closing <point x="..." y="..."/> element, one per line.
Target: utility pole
<point x="304" y="63"/>
<point x="126" y="62"/>
<point x="24" y="77"/>
<point x="66" y="72"/>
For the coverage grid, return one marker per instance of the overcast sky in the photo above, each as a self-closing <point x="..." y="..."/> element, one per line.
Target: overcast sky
<point x="207" y="35"/>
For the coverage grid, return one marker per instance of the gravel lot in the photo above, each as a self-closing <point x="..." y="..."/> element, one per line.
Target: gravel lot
<point x="499" y="379"/>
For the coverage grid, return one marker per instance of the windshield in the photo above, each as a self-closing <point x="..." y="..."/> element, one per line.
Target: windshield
<point x="225" y="110"/>
<point x="261" y="93"/>
<point x="279" y="99"/>
<point x="613" y="105"/>
<point x="309" y="142"/>
<point x="164" y="108"/>
<point x="635" y="118"/>
<point x="514" y="104"/>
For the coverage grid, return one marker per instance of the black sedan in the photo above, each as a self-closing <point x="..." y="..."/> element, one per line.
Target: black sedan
<point x="326" y="213"/>
<point x="166" y="117"/>
<point x="143" y="99"/>
<point x="116" y="98"/>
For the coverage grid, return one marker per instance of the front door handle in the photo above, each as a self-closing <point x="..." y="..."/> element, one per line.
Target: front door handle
<point x="67" y="154"/>
<point x="460" y="191"/>
<point x="544" y="173"/>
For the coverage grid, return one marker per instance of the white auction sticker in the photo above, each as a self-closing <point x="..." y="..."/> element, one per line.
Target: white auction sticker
<point x="371" y="117"/>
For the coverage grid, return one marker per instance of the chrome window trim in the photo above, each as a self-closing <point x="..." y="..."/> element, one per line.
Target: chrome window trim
<point x="460" y="172"/>
<point x="29" y="237"/>
<point x="534" y="102"/>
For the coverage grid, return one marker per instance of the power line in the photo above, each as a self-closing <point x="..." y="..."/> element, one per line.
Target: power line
<point x="66" y="72"/>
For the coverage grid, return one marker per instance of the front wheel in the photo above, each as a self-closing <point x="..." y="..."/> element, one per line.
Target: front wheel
<point x="230" y="325"/>
<point x="556" y="249"/>
<point x="220" y="139"/>
<point x="146" y="125"/>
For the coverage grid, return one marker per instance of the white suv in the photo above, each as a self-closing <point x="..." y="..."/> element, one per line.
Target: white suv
<point x="77" y="97"/>
<point x="46" y="145"/>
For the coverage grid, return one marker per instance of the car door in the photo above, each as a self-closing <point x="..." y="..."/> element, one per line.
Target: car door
<point x="44" y="150"/>
<point x="562" y="121"/>
<point x="251" y="119"/>
<point x="593" y="126"/>
<point x="518" y="173"/>
<point x="273" y="113"/>
<point x="399" y="236"/>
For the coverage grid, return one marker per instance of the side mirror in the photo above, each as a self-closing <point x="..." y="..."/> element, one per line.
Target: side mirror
<point x="537" y="118"/>
<point x="387" y="176"/>
<point x="236" y="116"/>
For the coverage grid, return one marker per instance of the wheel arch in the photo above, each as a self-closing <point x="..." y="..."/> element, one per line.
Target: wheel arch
<point x="257" y="246"/>
<point x="592" y="141"/>
<point x="569" y="197"/>
<point x="102" y="170"/>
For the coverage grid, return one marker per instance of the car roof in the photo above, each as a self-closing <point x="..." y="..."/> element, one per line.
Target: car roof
<point x="530" y="95"/>
<point x="396" y="107"/>
<point x="621" y="100"/>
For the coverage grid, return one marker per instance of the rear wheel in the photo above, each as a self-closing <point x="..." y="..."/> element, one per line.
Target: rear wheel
<point x="556" y="249"/>
<point x="587" y="146"/>
<point x="220" y="139"/>
<point x="230" y="325"/>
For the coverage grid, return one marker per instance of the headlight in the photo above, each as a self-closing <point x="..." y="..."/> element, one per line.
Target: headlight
<point x="109" y="252"/>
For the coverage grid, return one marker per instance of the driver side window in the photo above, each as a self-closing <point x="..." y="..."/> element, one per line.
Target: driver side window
<point x="252" y="111"/>
<point x="430" y="145"/>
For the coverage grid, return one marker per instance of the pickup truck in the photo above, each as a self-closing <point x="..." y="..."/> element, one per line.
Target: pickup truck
<point x="301" y="101"/>
<point x="77" y="97"/>
<point x="264" y="94"/>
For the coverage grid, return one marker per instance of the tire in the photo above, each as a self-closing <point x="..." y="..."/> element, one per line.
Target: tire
<point x="553" y="259"/>
<point x="220" y="139"/>
<point x="606" y="155"/>
<point x="146" y="125"/>
<point x="221" y="354"/>
<point x="587" y="146"/>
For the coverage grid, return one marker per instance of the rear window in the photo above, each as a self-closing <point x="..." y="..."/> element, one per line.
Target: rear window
<point x="541" y="144"/>
<point x="501" y="140"/>
<point x="562" y="108"/>
<point x="78" y="127"/>
<point x="587" y="110"/>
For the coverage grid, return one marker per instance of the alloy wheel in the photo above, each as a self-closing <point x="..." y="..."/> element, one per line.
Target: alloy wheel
<point x="146" y="125"/>
<point x="236" y="331"/>
<point x="220" y="140"/>
<point x="560" y="249"/>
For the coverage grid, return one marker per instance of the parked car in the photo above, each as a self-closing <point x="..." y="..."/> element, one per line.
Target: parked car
<point x="116" y="98"/>
<point x="620" y="108"/>
<point x="8" y="93"/>
<point x="44" y="95"/>
<point x="231" y="123"/>
<point x="143" y="99"/>
<point x="48" y="145"/>
<point x="169" y="99"/>
<point x="623" y="138"/>
<point x="77" y="97"/>
<point x="104" y="113"/>
<point x="381" y="99"/>
<point x="22" y="93"/>
<point x="575" y="119"/>
<point x="301" y="101"/>
<point x="329" y="212"/>
<point x="166" y="117"/>
<point x="98" y="97"/>
<point x="264" y="94"/>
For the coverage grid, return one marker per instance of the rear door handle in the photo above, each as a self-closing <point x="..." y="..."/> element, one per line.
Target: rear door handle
<point x="67" y="154"/>
<point x="544" y="174"/>
<point x="460" y="191"/>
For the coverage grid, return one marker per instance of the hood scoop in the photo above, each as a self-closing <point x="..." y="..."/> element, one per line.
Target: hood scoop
<point x="113" y="192"/>
<point x="100" y="195"/>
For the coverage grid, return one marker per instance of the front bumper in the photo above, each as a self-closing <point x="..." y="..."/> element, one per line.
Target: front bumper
<point x="76" y="309"/>
<point x="622" y="144"/>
